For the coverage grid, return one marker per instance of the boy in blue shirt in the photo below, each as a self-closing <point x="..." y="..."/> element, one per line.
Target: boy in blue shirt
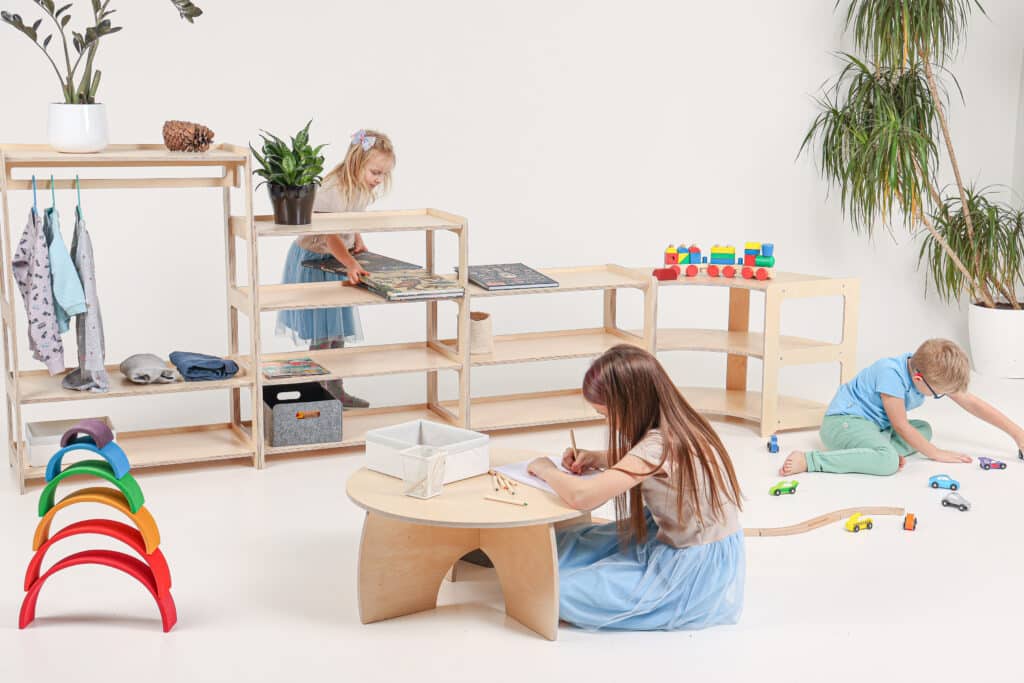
<point x="866" y="429"/>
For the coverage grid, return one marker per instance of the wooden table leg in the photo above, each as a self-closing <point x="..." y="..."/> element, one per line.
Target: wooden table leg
<point x="401" y="565"/>
<point x="526" y="560"/>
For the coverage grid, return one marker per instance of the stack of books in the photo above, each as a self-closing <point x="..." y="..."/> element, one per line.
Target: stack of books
<point x="393" y="279"/>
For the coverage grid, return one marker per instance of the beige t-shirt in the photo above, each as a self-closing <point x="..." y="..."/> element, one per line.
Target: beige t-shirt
<point x="660" y="498"/>
<point x="329" y="199"/>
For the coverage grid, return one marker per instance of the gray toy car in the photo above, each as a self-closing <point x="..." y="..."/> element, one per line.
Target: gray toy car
<point x="955" y="500"/>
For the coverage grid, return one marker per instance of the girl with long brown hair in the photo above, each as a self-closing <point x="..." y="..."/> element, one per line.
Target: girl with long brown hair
<point x="675" y="557"/>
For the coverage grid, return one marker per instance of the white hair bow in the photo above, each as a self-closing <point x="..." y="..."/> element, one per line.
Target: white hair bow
<point x="361" y="138"/>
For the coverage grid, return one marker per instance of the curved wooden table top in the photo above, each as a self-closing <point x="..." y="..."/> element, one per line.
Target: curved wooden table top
<point x="462" y="503"/>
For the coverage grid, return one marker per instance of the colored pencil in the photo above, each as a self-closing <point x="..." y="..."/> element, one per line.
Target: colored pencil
<point x="504" y="500"/>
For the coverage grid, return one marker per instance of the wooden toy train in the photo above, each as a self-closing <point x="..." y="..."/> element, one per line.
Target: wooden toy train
<point x="757" y="262"/>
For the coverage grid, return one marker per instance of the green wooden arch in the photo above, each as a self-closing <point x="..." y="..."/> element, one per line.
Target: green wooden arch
<point x="96" y="468"/>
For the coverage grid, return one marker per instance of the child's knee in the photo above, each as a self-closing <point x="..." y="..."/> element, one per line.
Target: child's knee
<point x="888" y="461"/>
<point x="923" y="427"/>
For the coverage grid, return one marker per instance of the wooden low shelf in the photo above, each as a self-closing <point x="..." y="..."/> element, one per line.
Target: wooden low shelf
<point x="368" y="361"/>
<point x="37" y="386"/>
<point x="314" y="295"/>
<point x="359" y="221"/>
<point x="515" y="411"/>
<point x="793" y="413"/>
<point x="532" y="347"/>
<point x="576" y="279"/>
<point x="176" y="446"/>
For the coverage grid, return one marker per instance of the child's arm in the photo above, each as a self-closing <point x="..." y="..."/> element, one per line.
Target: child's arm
<point x="578" y="460"/>
<point x="592" y="492"/>
<point x="984" y="411"/>
<point x="897" y="412"/>
<point x="359" y="247"/>
<point x="341" y="252"/>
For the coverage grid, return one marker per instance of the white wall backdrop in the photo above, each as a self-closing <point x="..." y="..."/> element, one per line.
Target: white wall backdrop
<point x="568" y="132"/>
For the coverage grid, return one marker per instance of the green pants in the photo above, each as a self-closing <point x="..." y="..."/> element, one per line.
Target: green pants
<point x="856" y="444"/>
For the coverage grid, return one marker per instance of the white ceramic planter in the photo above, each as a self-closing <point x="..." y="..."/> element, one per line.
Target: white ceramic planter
<point x="78" y="128"/>
<point x="997" y="340"/>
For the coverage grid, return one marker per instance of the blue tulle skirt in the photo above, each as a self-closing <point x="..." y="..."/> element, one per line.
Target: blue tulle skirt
<point x="316" y="325"/>
<point x="649" y="587"/>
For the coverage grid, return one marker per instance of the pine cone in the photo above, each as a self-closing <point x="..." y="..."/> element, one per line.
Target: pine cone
<point x="184" y="136"/>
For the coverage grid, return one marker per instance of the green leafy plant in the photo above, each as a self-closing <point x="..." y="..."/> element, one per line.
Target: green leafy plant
<point x="297" y="165"/>
<point x="878" y="134"/>
<point x="79" y="88"/>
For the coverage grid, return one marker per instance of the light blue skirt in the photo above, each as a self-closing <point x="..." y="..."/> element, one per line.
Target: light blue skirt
<point x="316" y="325"/>
<point x="650" y="587"/>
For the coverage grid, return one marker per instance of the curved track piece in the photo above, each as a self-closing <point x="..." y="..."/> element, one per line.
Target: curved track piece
<point x="822" y="520"/>
<point x="109" y="558"/>
<point x="110" y="497"/>
<point x="105" y="527"/>
<point x="111" y="452"/>
<point x="96" y="468"/>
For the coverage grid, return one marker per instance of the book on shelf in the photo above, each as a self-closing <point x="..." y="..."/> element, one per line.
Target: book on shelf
<point x="411" y="286"/>
<point x="504" y="276"/>
<point x="370" y="261"/>
<point x="295" y="367"/>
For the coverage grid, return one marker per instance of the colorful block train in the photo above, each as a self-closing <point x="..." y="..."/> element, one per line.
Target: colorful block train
<point x="757" y="262"/>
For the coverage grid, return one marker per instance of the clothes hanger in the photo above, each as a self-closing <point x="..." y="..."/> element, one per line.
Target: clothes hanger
<point x="78" y="188"/>
<point x="35" y="198"/>
<point x="53" y="194"/>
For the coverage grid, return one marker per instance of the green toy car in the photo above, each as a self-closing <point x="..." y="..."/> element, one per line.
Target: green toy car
<point x="784" y="487"/>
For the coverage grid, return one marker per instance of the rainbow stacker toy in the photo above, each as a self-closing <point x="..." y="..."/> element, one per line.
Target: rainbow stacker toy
<point x="756" y="263"/>
<point x="94" y="437"/>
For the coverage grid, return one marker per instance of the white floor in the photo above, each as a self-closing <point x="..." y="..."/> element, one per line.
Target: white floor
<point x="264" y="578"/>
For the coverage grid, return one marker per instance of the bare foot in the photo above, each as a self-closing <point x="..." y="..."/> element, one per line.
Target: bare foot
<point x="796" y="462"/>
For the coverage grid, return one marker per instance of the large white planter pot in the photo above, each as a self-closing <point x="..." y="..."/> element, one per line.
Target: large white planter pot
<point x="997" y="340"/>
<point x="78" y="128"/>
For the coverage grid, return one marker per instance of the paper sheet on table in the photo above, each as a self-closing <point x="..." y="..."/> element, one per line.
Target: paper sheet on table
<point x="517" y="471"/>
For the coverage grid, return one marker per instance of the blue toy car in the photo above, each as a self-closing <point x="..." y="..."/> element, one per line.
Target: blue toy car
<point x="773" y="444"/>
<point x="943" y="481"/>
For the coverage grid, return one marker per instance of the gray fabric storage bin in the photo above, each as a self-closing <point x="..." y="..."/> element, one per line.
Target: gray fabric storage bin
<point x="314" y="416"/>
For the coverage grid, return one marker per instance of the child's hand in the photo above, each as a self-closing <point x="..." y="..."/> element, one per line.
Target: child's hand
<point x="578" y="460"/>
<point x="950" y="456"/>
<point x="538" y="467"/>
<point x="359" y="247"/>
<point x="355" y="271"/>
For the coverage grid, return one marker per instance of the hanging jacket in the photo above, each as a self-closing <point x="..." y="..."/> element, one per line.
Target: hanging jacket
<point x="68" y="295"/>
<point x="91" y="374"/>
<point x="31" y="269"/>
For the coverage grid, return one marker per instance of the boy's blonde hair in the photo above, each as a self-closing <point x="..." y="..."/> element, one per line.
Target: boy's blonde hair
<point x="944" y="365"/>
<point x="349" y="173"/>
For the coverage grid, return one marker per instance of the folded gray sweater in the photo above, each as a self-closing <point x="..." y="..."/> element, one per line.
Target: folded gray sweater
<point x="147" y="368"/>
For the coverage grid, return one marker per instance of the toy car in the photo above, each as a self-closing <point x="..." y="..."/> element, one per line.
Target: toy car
<point x="773" y="444"/>
<point x="990" y="464"/>
<point x="784" y="487"/>
<point x="855" y="523"/>
<point x="910" y="522"/>
<point x="955" y="500"/>
<point x="943" y="481"/>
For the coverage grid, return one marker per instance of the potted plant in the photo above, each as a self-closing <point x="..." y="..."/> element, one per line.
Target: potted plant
<point x="79" y="123"/>
<point x="879" y="133"/>
<point x="292" y="174"/>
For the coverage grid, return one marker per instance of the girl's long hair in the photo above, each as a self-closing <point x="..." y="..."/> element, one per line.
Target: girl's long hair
<point x="639" y="396"/>
<point x="349" y="173"/>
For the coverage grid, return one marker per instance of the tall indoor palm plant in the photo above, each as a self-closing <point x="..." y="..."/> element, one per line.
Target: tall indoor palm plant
<point x="880" y="133"/>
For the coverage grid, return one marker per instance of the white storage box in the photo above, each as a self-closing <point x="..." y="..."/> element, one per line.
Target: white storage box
<point x="468" y="452"/>
<point x="42" y="439"/>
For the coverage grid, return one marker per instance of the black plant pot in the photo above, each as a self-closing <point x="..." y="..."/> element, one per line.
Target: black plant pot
<point x="292" y="205"/>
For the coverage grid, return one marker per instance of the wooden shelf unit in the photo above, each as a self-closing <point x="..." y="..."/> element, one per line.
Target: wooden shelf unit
<point x="429" y="356"/>
<point x="244" y="438"/>
<point x="224" y="166"/>
<point x="772" y="412"/>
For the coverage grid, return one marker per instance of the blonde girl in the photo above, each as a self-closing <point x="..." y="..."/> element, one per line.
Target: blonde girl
<point x="352" y="185"/>
<point x="675" y="557"/>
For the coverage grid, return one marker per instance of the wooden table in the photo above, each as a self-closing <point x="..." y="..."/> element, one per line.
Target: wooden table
<point x="409" y="544"/>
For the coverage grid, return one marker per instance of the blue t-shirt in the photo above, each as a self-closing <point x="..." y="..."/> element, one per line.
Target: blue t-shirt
<point x="861" y="396"/>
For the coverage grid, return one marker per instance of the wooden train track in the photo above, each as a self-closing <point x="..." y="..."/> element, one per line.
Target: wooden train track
<point x="822" y="520"/>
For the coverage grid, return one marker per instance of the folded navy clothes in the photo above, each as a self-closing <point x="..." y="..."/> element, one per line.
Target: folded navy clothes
<point x="198" y="367"/>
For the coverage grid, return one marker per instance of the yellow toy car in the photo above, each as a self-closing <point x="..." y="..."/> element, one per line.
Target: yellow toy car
<point x="855" y="523"/>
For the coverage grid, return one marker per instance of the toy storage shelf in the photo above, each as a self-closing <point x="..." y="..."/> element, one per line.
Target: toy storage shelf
<point x="37" y="386"/>
<point x="222" y="167"/>
<point x="177" y="446"/>
<point x="767" y="408"/>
